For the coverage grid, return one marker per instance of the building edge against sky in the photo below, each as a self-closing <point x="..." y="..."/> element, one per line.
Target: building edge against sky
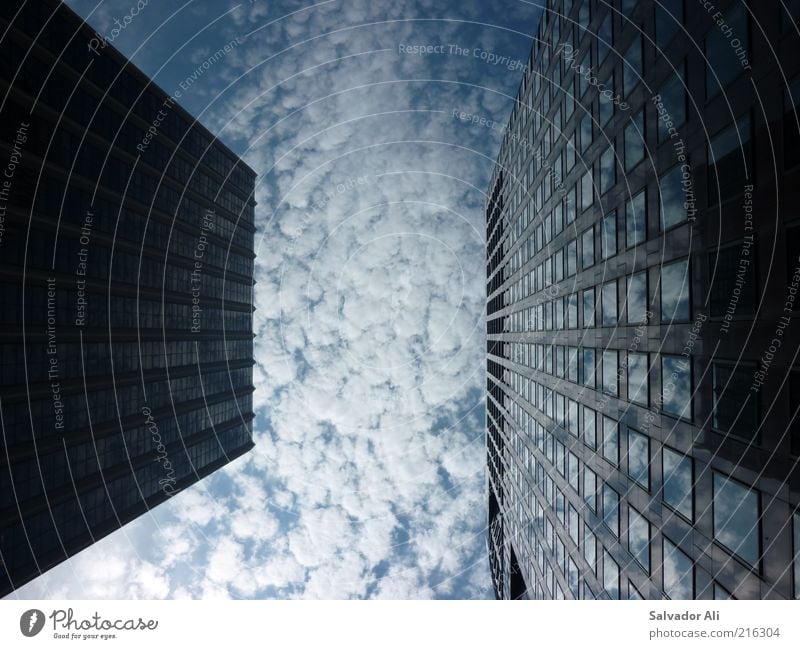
<point x="643" y="257"/>
<point x="126" y="293"/>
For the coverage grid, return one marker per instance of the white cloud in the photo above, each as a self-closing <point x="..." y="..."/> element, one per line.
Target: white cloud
<point x="367" y="477"/>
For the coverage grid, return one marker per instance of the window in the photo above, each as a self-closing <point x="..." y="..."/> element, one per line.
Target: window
<point x="572" y="468"/>
<point x="573" y="579"/>
<point x="587" y="192"/>
<point x="729" y="160"/>
<point x="637" y="298"/>
<point x="673" y="200"/>
<point x="608" y="235"/>
<point x="791" y="124"/>
<point x="636" y="219"/>
<point x="586" y="131"/>
<point x="722" y="62"/>
<point x="797" y="555"/>
<point x="572" y="368"/>
<point x="611" y="509"/>
<point x="720" y="592"/>
<point x="588" y="307"/>
<point x="610" y="440"/>
<point x="587" y="248"/>
<point x="736" y="521"/>
<point x="608" y="170"/>
<point x="610" y="575"/>
<point x="678" y="572"/>
<point x="583" y="81"/>
<point x="572" y="311"/>
<point x="633" y="593"/>
<point x="675" y="281"/>
<point x="588" y="431"/>
<point x="794" y="405"/>
<point x="610" y="368"/>
<point x="609" y="304"/>
<point x="632" y="66"/>
<point x="639" y="458"/>
<point x="676" y="386"/>
<point x="733" y="287"/>
<point x="605" y="37"/>
<point x="634" y="141"/>
<point x="572" y="258"/>
<point x="735" y="405"/>
<point x="590" y="547"/>
<point x="673" y="101"/>
<point x="606" y="101"/>
<point x="558" y="265"/>
<point x="677" y="479"/>
<point x="588" y="369"/>
<point x="637" y="379"/>
<point x="669" y="18"/>
<point x="639" y="538"/>
<point x="570" y="202"/>
<point x="572" y="417"/>
<point x="590" y="488"/>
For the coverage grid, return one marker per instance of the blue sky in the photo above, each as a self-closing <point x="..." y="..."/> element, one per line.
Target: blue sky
<point x="367" y="479"/>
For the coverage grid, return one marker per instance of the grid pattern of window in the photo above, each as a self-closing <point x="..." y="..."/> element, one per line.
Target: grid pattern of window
<point x="623" y="419"/>
<point x="126" y="375"/>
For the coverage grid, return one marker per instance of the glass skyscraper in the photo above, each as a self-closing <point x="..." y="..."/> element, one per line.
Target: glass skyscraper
<point x="126" y="290"/>
<point x="643" y="263"/>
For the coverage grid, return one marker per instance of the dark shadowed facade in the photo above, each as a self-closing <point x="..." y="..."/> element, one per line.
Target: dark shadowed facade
<point x="126" y="287"/>
<point x="643" y="265"/>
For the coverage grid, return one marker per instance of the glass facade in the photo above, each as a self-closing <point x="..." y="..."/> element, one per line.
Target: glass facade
<point x="126" y="286"/>
<point x="643" y="363"/>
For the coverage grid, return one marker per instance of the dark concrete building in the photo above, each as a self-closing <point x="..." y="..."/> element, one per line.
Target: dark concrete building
<point x="126" y="288"/>
<point x="643" y="264"/>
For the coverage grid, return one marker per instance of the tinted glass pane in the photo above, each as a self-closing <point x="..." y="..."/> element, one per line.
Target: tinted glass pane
<point x="729" y="163"/>
<point x="669" y="16"/>
<point x="733" y="287"/>
<point x="735" y="404"/>
<point x="589" y="430"/>
<point x="588" y="308"/>
<point x="636" y="219"/>
<point x="587" y="248"/>
<point x="610" y="576"/>
<point x="672" y="111"/>
<point x="587" y="190"/>
<point x="639" y="538"/>
<point x="723" y="63"/>
<point x="678" y="573"/>
<point x="675" y="282"/>
<point x="609" y="304"/>
<point x="610" y="384"/>
<point x="797" y="555"/>
<point x="610" y="440"/>
<point x="639" y="458"/>
<point x="791" y="124"/>
<point x="608" y="170"/>
<point x="634" y="141"/>
<point x="611" y="509"/>
<point x="590" y="488"/>
<point x="676" y="386"/>
<point x="637" y="298"/>
<point x="586" y="131"/>
<point x="604" y="37"/>
<point x="608" y="238"/>
<point x="673" y="197"/>
<point x="677" y="477"/>
<point x="632" y="67"/>
<point x="606" y="101"/>
<point x="588" y="368"/>
<point x="736" y="518"/>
